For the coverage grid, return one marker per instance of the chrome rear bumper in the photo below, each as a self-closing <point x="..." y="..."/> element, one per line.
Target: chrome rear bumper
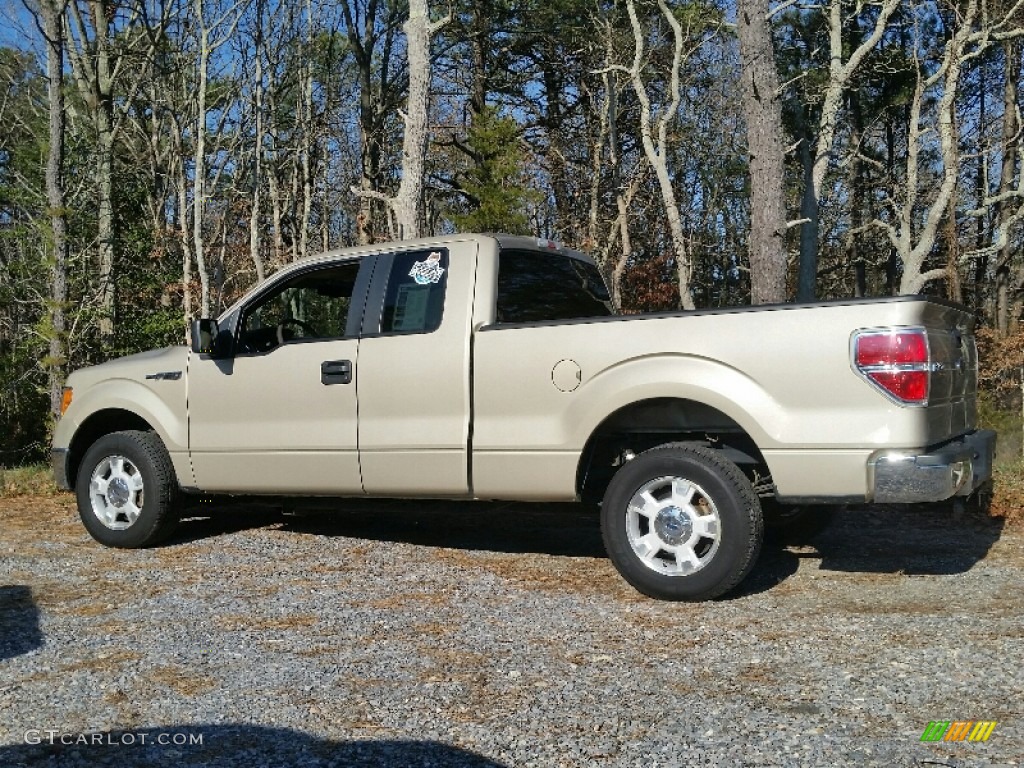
<point x="956" y="469"/>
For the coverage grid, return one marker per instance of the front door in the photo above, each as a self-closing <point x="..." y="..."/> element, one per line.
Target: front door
<point x="279" y="416"/>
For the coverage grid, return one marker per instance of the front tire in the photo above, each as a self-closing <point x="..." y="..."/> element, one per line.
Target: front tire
<point x="682" y="522"/>
<point x="127" y="491"/>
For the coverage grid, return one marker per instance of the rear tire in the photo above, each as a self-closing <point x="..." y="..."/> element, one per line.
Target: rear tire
<point x="127" y="490"/>
<point x="682" y="522"/>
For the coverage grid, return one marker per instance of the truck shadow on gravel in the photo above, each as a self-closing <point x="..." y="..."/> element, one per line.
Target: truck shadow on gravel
<point x="566" y="530"/>
<point x="19" y="622"/>
<point x="227" y="745"/>
<point x="915" y="540"/>
<point x="918" y="540"/>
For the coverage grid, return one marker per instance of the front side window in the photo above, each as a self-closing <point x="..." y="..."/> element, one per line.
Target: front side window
<point x="313" y="305"/>
<point x="534" y="286"/>
<point x="414" y="300"/>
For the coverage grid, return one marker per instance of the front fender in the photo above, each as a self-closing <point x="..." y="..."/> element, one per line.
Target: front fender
<point x="126" y="401"/>
<point x="134" y="397"/>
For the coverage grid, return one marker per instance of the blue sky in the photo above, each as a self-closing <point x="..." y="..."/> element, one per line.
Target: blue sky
<point x="17" y="29"/>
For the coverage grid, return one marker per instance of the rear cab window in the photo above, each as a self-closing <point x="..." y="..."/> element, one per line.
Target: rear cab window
<point x="534" y="286"/>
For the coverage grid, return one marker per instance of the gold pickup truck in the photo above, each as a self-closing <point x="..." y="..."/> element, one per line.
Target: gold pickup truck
<point x="492" y="367"/>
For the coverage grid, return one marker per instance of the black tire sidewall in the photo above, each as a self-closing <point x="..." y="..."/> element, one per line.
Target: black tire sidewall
<point x="158" y="484"/>
<point x="738" y="526"/>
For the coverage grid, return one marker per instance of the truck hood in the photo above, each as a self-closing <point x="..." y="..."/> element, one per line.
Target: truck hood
<point x="155" y="364"/>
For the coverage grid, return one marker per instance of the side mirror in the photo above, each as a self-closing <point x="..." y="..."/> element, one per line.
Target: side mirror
<point x="204" y="336"/>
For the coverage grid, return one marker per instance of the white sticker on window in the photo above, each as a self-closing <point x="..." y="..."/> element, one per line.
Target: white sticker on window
<point x="429" y="270"/>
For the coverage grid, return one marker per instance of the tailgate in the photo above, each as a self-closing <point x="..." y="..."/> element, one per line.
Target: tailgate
<point x="952" y="399"/>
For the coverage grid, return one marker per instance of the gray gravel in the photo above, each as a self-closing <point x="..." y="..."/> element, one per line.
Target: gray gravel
<point x="439" y="634"/>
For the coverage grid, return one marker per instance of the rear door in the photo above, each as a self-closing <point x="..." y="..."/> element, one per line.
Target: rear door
<point x="414" y="360"/>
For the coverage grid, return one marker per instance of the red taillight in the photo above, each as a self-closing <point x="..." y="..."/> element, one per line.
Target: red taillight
<point x="892" y="348"/>
<point x="896" y="362"/>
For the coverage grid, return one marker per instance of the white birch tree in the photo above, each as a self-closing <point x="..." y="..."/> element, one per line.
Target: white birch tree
<point x="919" y="206"/>
<point x="406" y="206"/>
<point x="843" y="65"/>
<point x="654" y="123"/>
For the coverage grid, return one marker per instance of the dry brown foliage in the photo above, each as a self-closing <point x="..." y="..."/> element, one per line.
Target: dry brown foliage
<point x="1000" y="361"/>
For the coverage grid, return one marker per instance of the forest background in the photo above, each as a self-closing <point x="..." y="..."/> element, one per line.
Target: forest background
<point x="158" y="157"/>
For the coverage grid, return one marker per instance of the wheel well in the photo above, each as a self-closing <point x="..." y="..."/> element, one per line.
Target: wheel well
<point x="645" y="424"/>
<point x="96" y="426"/>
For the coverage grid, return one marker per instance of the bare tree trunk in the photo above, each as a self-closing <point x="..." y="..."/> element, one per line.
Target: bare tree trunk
<point x="184" y="234"/>
<point x="1011" y="130"/>
<point x="408" y="203"/>
<point x="96" y="82"/>
<point x="199" y="161"/>
<point x="857" y="184"/>
<point x="105" y="224"/>
<point x="840" y="74"/>
<point x="362" y="34"/>
<point x="657" y="152"/>
<point x="308" y="137"/>
<point x="915" y="243"/>
<point x="255" y="235"/>
<point x="763" y="114"/>
<point x="224" y="24"/>
<point x="623" y="197"/>
<point x="406" y="207"/>
<point x="97" y="69"/>
<point x="955" y="290"/>
<point x="807" y="276"/>
<point x="52" y="13"/>
<point x="277" y="214"/>
<point x="606" y="115"/>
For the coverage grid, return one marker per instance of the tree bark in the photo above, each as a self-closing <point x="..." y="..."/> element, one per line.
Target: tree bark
<point x="52" y="13"/>
<point x="839" y="76"/>
<point x="199" y="161"/>
<point x="407" y="207"/>
<point x="255" y="222"/>
<point x="1011" y="129"/>
<point x="763" y="114"/>
<point x="656" y="152"/>
<point x="807" y="276"/>
<point x="408" y="203"/>
<point x="363" y="34"/>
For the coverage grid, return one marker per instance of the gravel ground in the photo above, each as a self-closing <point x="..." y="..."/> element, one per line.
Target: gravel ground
<point x="441" y="634"/>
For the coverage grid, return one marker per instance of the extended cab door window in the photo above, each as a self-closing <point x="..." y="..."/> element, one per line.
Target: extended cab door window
<point x="313" y="305"/>
<point x="413" y="299"/>
<point x="535" y="286"/>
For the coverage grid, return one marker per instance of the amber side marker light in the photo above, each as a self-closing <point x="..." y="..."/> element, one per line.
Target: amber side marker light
<point x="65" y="400"/>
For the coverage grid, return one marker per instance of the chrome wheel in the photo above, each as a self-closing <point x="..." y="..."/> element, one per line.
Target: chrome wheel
<point x="681" y="522"/>
<point x="673" y="526"/>
<point x="116" y="492"/>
